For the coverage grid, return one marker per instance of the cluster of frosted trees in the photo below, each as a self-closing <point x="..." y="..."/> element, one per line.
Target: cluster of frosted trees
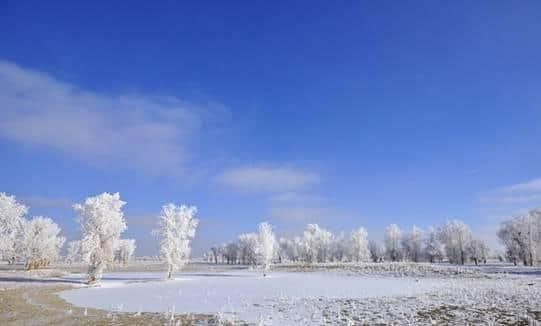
<point x="35" y="241"/>
<point x="38" y="242"/>
<point x="521" y="237"/>
<point x="256" y="249"/>
<point x="452" y="241"/>
<point x="102" y="222"/>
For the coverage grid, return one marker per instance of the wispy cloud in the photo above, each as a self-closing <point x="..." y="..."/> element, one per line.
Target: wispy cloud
<point x="135" y="131"/>
<point x="296" y="197"/>
<point x="46" y="202"/>
<point x="533" y="185"/>
<point x="267" y="179"/>
<point x="520" y="193"/>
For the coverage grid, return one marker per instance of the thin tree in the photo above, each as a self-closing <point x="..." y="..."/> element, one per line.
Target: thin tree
<point x="177" y="226"/>
<point x="266" y="246"/>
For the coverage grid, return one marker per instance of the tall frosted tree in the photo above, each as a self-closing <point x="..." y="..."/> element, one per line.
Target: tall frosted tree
<point x="359" y="245"/>
<point x="177" y="226"/>
<point x="393" y="236"/>
<point x="102" y="221"/>
<point x="266" y="245"/>
<point x="11" y="220"/>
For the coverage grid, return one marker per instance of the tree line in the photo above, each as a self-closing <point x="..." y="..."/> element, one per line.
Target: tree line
<point x="37" y="241"/>
<point x="452" y="241"/>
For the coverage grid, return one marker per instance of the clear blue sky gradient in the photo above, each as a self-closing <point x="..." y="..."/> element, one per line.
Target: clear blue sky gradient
<point x="408" y="112"/>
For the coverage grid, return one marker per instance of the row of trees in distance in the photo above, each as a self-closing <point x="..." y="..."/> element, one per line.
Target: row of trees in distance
<point x="452" y="241"/>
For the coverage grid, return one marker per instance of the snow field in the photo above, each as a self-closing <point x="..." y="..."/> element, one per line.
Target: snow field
<point x="244" y="295"/>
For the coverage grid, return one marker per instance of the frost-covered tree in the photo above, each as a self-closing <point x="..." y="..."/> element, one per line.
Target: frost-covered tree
<point x="102" y="221"/>
<point x="510" y="237"/>
<point x="177" y="225"/>
<point x="340" y="249"/>
<point x="266" y="246"/>
<point x="74" y="252"/>
<point x="40" y="242"/>
<point x="521" y="237"/>
<point x="393" y="236"/>
<point x="248" y="244"/>
<point x="124" y="250"/>
<point x="477" y="251"/>
<point x="359" y="245"/>
<point x="456" y="237"/>
<point x="377" y="253"/>
<point x="11" y="219"/>
<point x="316" y="243"/>
<point x="412" y="243"/>
<point x="434" y="249"/>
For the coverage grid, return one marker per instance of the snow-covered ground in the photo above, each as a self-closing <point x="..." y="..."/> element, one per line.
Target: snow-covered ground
<point x="281" y="298"/>
<point x="335" y="294"/>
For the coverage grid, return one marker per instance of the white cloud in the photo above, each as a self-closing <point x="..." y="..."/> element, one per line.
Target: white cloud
<point x="136" y="131"/>
<point x="267" y="179"/>
<point x="533" y="185"/>
<point x="511" y="199"/>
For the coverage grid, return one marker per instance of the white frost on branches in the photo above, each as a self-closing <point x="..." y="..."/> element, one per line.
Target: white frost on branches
<point x="74" y="252"/>
<point x="177" y="225"/>
<point x="41" y="242"/>
<point x="123" y="250"/>
<point x="11" y="219"/>
<point x="359" y="245"/>
<point x="266" y="245"/>
<point x="456" y="237"/>
<point x="393" y="236"/>
<point x="248" y="243"/>
<point x="102" y="221"/>
<point x="412" y="244"/>
<point x="316" y="243"/>
<point x="521" y="237"/>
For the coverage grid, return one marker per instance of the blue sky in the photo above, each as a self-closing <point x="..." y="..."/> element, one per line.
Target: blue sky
<point x="349" y="114"/>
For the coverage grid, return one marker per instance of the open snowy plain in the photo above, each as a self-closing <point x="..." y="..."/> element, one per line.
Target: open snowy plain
<point x="335" y="294"/>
